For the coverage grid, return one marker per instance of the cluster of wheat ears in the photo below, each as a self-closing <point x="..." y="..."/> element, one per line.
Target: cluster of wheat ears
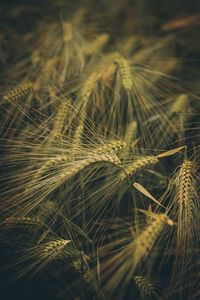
<point x="99" y="164"/>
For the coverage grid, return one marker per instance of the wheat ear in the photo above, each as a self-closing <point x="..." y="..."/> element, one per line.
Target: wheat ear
<point x="101" y="158"/>
<point x="59" y="121"/>
<point x="145" y="286"/>
<point x="19" y="92"/>
<point x="45" y="73"/>
<point x="131" y="133"/>
<point x="94" y="46"/>
<point x="145" y="241"/>
<point x="180" y="104"/>
<point x="86" y="92"/>
<point x="115" y="146"/>
<point x="124" y="263"/>
<point x="53" y="248"/>
<point x="67" y="32"/>
<point x="107" y="73"/>
<point x="89" y="86"/>
<point x="78" y="134"/>
<point x="125" y="70"/>
<point x="23" y="221"/>
<point x="51" y="163"/>
<point x="137" y="166"/>
<point x="35" y="57"/>
<point x="185" y="197"/>
<point x="146" y="161"/>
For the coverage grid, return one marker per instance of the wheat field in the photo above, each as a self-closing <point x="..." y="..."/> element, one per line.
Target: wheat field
<point x="99" y="135"/>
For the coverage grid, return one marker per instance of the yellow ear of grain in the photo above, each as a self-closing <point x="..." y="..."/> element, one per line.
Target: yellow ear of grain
<point x="19" y="92"/>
